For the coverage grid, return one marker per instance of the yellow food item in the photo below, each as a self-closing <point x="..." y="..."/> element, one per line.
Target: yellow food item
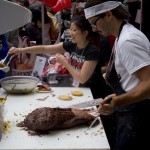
<point x="77" y="93"/>
<point x="6" y="126"/>
<point x="65" y="97"/>
<point x="2" y="100"/>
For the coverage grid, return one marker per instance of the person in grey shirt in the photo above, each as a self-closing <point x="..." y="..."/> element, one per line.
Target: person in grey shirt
<point x="12" y="38"/>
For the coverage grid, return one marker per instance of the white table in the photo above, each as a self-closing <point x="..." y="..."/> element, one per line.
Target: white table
<point x="78" y="138"/>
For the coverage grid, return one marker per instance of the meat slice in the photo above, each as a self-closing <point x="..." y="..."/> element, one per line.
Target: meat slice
<point x="48" y="119"/>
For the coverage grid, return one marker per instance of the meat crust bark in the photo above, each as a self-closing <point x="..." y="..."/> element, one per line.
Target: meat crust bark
<point x="48" y="119"/>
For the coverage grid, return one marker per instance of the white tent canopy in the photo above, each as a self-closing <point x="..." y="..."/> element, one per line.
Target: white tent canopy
<point x="13" y="16"/>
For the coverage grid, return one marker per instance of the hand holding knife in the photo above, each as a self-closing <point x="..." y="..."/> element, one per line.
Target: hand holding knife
<point x="94" y="102"/>
<point x="98" y="114"/>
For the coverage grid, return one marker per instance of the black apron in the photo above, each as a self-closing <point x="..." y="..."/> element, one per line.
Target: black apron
<point x="131" y="122"/>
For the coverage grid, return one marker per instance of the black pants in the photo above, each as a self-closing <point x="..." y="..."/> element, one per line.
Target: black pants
<point x="129" y="129"/>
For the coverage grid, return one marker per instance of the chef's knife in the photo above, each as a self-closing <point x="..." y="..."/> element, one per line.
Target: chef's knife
<point x="94" y="102"/>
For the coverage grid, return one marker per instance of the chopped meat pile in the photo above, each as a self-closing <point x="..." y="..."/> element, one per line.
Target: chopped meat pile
<point x="48" y="119"/>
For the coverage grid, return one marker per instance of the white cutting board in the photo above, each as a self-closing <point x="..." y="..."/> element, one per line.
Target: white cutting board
<point x="17" y="106"/>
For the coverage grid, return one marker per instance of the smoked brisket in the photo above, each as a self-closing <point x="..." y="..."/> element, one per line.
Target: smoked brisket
<point x="48" y="119"/>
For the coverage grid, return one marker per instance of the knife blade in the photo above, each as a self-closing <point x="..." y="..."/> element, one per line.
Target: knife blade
<point x="93" y="122"/>
<point x="90" y="103"/>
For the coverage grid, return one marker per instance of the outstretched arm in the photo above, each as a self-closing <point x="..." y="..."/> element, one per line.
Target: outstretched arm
<point x="40" y="49"/>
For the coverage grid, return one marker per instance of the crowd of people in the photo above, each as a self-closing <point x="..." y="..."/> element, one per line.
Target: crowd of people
<point x="31" y="33"/>
<point x="110" y="55"/>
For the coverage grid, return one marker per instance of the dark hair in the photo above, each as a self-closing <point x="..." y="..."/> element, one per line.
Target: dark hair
<point x="78" y="11"/>
<point x="50" y="10"/>
<point x="119" y="12"/>
<point x="24" y="2"/>
<point x="66" y="14"/>
<point x="36" y="16"/>
<point x="83" y="24"/>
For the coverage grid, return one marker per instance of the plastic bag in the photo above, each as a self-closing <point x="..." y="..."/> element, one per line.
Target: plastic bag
<point x="55" y="67"/>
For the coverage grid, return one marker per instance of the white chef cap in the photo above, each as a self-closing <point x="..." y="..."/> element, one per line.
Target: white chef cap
<point x="100" y="8"/>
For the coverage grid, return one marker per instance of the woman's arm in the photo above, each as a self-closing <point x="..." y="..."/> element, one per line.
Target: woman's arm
<point x="80" y="75"/>
<point x="40" y="49"/>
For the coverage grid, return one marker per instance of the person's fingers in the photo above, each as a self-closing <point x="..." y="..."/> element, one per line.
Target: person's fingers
<point x="105" y="109"/>
<point x="13" y="55"/>
<point x="107" y="99"/>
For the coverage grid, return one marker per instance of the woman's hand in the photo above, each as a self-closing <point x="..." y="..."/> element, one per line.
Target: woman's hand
<point x="61" y="59"/>
<point x="13" y="51"/>
<point x="106" y="106"/>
